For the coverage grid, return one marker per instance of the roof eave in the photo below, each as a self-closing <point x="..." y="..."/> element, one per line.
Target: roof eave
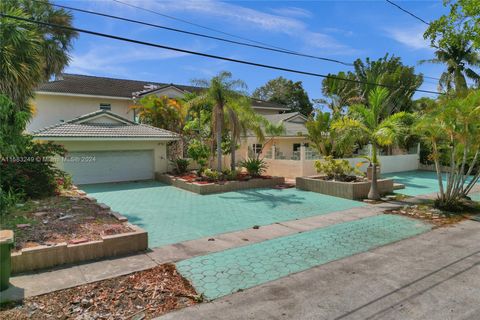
<point x="56" y="93"/>
<point x="72" y="138"/>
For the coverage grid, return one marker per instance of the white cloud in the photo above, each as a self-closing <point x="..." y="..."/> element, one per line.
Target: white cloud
<point x="410" y="37"/>
<point x="112" y="60"/>
<point x="246" y="18"/>
<point x="292" y="12"/>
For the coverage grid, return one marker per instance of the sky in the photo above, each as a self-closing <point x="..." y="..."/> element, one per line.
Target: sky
<point x="342" y="30"/>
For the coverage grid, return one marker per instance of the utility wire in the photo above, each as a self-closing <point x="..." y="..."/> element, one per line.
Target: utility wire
<point x="271" y="48"/>
<point x="418" y="18"/>
<point x="198" y="25"/>
<point x="407" y="12"/>
<point x="198" y="34"/>
<point x="245" y="62"/>
<point x="278" y="49"/>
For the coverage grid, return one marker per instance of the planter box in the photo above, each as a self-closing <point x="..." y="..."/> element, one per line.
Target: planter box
<point x="347" y="190"/>
<point x="41" y="257"/>
<point x="227" y="186"/>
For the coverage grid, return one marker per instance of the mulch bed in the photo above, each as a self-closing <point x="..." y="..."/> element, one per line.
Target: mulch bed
<point x="426" y="212"/>
<point x="68" y="217"/>
<point x="194" y="178"/>
<point x="141" y="295"/>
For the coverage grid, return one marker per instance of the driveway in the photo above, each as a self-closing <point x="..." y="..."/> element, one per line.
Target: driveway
<point x="172" y="215"/>
<point x="432" y="276"/>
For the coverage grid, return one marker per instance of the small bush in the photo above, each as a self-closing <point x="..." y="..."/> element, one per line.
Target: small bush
<point x="336" y="169"/>
<point x="180" y="165"/>
<point x="255" y="167"/>
<point x="33" y="172"/>
<point x="211" y="175"/>
<point x="8" y="199"/>
<point x="199" y="152"/>
<point x="230" y="174"/>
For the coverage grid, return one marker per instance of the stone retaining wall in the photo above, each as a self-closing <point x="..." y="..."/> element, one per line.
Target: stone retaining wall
<point x="41" y="257"/>
<point x="217" y="187"/>
<point x="347" y="190"/>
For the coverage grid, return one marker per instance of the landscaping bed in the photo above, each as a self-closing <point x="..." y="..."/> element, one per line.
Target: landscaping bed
<point x="193" y="183"/>
<point x="68" y="228"/>
<point x="356" y="189"/>
<point x="69" y="217"/>
<point x="439" y="218"/>
<point x="142" y="295"/>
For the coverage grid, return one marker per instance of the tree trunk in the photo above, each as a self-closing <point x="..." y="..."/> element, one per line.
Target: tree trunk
<point x="219" y="137"/>
<point x="373" y="194"/>
<point x="233" y="148"/>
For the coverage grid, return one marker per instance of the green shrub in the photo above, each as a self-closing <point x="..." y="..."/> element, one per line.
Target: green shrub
<point x="8" y="199"/>
<point x="33" y="172"/>
<point x="230" y="174"/>
<point x="336" y="169"/>
<point x="255" y="167"/>
<point x="211" y="175"/>
<point x="199" y="152"/>
<point x="180" y="165"/>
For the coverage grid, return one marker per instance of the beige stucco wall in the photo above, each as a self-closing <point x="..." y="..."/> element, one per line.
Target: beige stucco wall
<point x="51" y="109"/>
<point x="159" y="149"/>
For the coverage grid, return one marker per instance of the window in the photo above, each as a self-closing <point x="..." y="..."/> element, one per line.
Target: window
<point x="105" y="106"/>
<point x="257" y="148"/>
<point x="296" y="146"/>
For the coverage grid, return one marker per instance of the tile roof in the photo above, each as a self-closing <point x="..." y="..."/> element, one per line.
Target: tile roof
<point x="291" y="128"/>
<point x="81" y="128"/>
<point x="102" y="86"/>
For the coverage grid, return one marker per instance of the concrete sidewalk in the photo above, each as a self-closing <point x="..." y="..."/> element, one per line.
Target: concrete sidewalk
<point x="432" y="276"/>
<point x="42" y="282"/>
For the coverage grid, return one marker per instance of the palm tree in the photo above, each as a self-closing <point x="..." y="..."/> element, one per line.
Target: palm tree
<point x="31" y="54"/>
<point x="453" y="131"/>
<point x="240" y="119"/>
<point x="221" y="91"/>
<point x="372" y="123"/>
<point x="459" y="56"/>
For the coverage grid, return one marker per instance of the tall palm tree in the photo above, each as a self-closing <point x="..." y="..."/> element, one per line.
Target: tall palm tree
<point x="221" y="91"/>
<point x="30" y="53"/>
<point x="460" y="58"/>
<point x="372" y="123"/>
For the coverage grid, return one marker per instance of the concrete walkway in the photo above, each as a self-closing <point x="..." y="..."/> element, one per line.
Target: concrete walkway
<point x="42" y="282"/>
<point x="432" y="276"/>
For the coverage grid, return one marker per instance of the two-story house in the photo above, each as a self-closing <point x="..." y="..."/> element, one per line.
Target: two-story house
<point x="91" y="117"/>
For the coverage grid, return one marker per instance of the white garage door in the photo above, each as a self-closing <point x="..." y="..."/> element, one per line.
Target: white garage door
<point x="109" y="166"/>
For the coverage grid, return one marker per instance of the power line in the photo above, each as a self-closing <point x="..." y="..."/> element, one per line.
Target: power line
<point x="408" y="12"/>
<point x="198" y="34"/>
<point x="202" y="35"/>
<point x="198" y="25"/>
<point x="245" y="62"/>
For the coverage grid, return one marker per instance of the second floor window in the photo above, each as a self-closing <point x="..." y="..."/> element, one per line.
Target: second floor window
<point x="105" y="106"/>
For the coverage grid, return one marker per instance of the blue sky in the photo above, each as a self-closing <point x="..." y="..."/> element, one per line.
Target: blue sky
<point x="343" y="30"/>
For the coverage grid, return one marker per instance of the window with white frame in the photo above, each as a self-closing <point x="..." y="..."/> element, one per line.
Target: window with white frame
<point x="257" y="148"/>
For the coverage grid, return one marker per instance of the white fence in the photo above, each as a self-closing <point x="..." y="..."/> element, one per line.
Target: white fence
<point x="304" y="167"/>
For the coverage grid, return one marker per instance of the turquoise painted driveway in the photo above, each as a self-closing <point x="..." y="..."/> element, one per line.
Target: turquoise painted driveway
<point x="172" y="215"/>
<point x="416" y="182"/>
<point x="228" y="271"/>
